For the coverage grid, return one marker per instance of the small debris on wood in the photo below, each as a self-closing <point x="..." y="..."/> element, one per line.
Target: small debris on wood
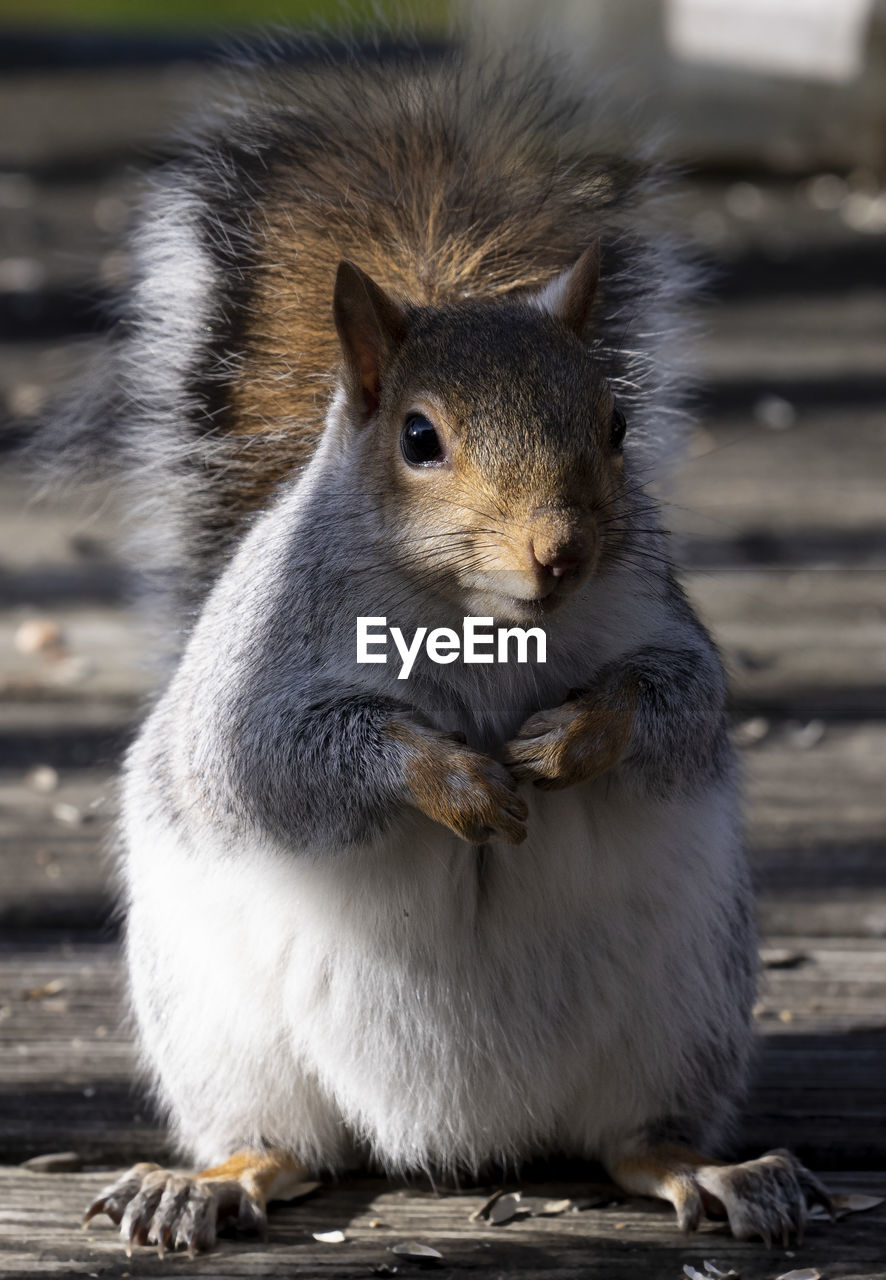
<point x="593" y="1202"/>
<point x="752" y="661"/>
<point x="300" y="1191"/>
<point x="751" y="732"/>
<point x="72" y="670"/>
<point x="329" y="1237"/>
<point x="806" y="736"/>
<point x="775" y="412"/>
<point x="38" y="635"/>
<point x="486" y="1207"/>
<point x="42" y="778"/>
<point x="506" y="1208"/>
<point x="376" y="1224"/>
<point x="826" y="191"/>
<point x="67" y="813"/>
<point x="552" y="1208"/>
<point x="745" y="200"/>
<point x="711" y="1272"/>
<point x="55" y="1162"/>
<point x="422" y="1253"/>
<point x="805" y="1273"/>
<point x="855" y="1202"/>
<point x="785" y="1015"/>
<point x="864" y="211"/>
<point x="25" y="399"/>
<point x="781" y="958"/>
<point x="384" y="1269"/>
<point x="51" y="988"/>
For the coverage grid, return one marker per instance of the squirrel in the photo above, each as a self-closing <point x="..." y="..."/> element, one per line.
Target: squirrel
<point x="404" y="345"/>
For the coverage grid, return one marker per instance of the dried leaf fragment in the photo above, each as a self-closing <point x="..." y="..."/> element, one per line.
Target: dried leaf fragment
<point x="329" y="1237"/>
<point x="713" y="1270"/>
<point x="805" y="1273"/>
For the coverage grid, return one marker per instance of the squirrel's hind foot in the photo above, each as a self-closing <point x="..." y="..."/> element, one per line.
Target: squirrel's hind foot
<point x="156" y="1206"/>
<point x="768" y="1197"/>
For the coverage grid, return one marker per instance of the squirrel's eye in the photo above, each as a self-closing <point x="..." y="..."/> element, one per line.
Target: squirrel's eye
<point x="419" y="441"/>
<point x="617" y="429"/>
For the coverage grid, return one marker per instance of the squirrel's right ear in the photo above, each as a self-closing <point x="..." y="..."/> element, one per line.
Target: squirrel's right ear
<point x="570" y="295"/>
<point x="370" y="325"/>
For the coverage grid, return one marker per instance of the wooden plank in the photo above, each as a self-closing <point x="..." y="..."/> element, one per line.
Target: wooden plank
<point x="30" y="372"/>
<point x="98" y="655"/>
<point x="799" y="643"/>
<point x="635" y="1239"/>
<point x="68" y="530"/>
<point x="55" y="873"/>
<point x="67" y="1067"/>
<point x="821" y="474"/>
<point x="816" y="825"/>
<point x="71" y="121"/>
<point x="789" y="337"/>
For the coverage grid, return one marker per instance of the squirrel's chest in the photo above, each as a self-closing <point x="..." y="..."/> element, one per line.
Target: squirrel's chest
<point x="421" y="898"/>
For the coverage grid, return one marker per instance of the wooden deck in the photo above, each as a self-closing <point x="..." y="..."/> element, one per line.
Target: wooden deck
<point x="781" y="513"/>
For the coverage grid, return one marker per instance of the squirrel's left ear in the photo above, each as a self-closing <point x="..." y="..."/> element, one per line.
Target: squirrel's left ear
<point x="371" y="325"/>
<point x="570" y="295"/>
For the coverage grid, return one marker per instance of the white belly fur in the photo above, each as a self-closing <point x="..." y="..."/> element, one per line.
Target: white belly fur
<point x="445" y="1016"/>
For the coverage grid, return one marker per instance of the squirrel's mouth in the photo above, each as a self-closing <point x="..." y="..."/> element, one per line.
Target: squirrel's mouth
<point x="527" y="608"/>
<point x="502" y="595"/>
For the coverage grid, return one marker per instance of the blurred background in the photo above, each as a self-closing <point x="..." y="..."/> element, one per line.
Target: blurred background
<point x="776" y="112"/>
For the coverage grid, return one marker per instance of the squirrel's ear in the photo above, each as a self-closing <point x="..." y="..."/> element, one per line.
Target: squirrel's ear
<point x="570" y="295"/>
<point x="370" y="325"/>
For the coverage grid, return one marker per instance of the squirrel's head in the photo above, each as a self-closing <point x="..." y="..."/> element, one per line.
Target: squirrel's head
<point x="487" y="436"/>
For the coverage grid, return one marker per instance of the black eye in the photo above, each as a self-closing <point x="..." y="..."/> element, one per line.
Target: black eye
<point x="617" y="429"/>
<point x="419" y="441"/>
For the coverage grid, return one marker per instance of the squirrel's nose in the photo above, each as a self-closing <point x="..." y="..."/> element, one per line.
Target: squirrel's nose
<point x="557" y="558"/>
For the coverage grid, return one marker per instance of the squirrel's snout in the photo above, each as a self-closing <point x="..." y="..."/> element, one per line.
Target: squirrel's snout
<point x="558" y="564"/>
<point x="557" y="551"/>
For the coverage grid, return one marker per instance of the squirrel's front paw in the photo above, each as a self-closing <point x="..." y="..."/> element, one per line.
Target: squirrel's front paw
<point x="464" y="790"/>
<point x="572" y="743"/>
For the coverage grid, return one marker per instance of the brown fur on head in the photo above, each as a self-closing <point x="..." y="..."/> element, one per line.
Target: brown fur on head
<point x="491" y="432"/>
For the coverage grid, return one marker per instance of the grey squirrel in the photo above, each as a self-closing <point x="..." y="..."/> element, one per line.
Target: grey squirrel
<point x="404" y="344"/>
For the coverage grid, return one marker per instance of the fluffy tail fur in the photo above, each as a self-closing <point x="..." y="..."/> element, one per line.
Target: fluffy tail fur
<point x="444" y="179"/>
